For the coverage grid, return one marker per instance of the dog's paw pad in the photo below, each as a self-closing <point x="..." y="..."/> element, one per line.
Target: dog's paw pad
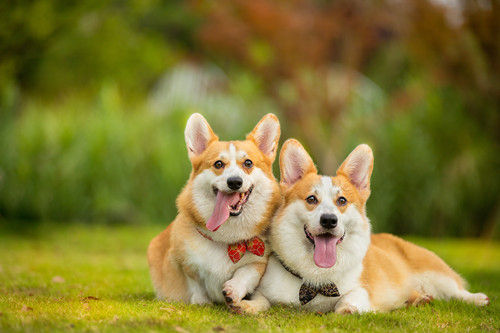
<point x="226" y="296"/>
<point x="347" y="309"/>
<point x="230" y="294"/>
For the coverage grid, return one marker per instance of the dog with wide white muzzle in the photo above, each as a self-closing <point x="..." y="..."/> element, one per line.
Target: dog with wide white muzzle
<point x="325" y="257"/>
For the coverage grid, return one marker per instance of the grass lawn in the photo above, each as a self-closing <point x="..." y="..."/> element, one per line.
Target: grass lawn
<point x="79" y="278"/>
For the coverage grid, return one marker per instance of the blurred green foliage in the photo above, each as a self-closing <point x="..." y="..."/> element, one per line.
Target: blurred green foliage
<point x="94" y="97"/>
<point x="52" y="47"/>
<point x="92" y="161"/>
<point x="91" y="164"/>
<point x="436" y="173"/>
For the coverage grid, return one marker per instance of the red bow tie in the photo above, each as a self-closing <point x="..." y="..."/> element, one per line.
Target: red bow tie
<point x="237" y="250"/>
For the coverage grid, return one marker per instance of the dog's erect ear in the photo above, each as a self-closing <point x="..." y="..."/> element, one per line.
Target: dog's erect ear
<point x="198" y="135"/>
<point x="358" y="167"/>
<point x="266" y="135"/>
<point x="295" y="162"/>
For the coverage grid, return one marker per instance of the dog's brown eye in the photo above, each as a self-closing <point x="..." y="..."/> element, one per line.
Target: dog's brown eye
<point x="341" y="201"/>
<point x="218" y="164"/>
<point x="248" y="164"/>
<point x="312" y="200"/>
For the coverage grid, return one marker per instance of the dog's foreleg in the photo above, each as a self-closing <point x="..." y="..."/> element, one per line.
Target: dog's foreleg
<point x="355" y="301"/>
<point x="243" y="282"/>
<point x="198" y="293"/>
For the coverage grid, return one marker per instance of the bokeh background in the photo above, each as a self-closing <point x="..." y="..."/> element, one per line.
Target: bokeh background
<point x="94" y="97"/>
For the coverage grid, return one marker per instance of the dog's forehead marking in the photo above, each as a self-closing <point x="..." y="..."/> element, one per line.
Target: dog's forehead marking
<point x="236" y="154"/>
<point x="232" y="151"/>
<point x="326" y="189"/>
<point x="233" y="154"/>
<point x="228" y="154"/>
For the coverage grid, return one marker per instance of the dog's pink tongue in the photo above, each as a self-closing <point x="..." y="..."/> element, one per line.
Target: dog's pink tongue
<point x="221" y="209"/>
<point x="325" y="251"/>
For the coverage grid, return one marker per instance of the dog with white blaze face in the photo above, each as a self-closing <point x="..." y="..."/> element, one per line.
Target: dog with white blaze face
<point x="325" y="257"/>
<point x="215" y="250"/>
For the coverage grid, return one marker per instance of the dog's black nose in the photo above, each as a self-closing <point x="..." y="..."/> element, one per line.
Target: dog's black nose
<point x="234" y="183"/>
<point x="328" y="221"/>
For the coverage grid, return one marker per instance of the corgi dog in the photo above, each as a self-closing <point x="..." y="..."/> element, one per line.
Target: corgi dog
<point x="214" y="250"/>
<point x="325" y="257"/>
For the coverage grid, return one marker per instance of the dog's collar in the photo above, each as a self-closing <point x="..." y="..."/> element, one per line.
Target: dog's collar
<point x="286" y="267"/>
<point x="307" y="291"/>
<point x="237" y="250"/>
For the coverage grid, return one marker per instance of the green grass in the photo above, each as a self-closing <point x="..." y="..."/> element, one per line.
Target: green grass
<point x="81" y="278"/>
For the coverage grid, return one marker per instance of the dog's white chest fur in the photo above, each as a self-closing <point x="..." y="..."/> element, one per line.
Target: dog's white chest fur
<point x="214" y="268"/>
<point x="280" y="286"/>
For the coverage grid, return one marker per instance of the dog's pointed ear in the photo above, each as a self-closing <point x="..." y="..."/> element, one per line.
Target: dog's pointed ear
<point x="266" y="135"/>
<point x="198" y="135"/>
<point x="358" y="167"/>
<point x="295" y="162"/>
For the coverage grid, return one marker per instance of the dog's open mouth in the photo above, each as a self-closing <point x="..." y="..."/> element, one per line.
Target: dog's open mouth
<point x="325" y="248"/>
<point x="227" y="204"/>
<point x="235" y="210"/>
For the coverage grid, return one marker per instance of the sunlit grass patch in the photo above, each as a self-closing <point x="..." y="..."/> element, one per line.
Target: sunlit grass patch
<point x="96" y="279"/>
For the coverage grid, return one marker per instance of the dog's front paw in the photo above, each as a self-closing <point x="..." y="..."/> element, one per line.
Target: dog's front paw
<point x="346" y="309"/>
<point x="231" y="294"/>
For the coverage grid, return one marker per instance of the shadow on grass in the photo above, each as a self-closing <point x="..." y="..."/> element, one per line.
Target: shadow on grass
<point x="140" y="296"/>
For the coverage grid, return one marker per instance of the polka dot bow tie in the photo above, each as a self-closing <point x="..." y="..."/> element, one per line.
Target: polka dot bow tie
<point x="236" y="251"/>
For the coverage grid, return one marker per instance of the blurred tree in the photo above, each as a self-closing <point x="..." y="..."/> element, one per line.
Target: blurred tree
<point x="419" y="80"/>
<point x="292" y="46"/>
<point x="51" y="47"/>
<point x="425" y="55"/>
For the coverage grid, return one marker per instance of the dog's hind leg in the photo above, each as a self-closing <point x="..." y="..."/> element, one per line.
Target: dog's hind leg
<point x="449" y="286"/>
<point x="168" y="280"/>
<point x="478" y="299"/>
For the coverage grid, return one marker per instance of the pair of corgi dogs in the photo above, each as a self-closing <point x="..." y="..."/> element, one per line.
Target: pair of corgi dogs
<point x="242" y="239"/>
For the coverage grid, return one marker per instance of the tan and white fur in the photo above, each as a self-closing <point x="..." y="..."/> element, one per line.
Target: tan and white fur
<point x="373" y="272"/>
<point x="185" y="264"/>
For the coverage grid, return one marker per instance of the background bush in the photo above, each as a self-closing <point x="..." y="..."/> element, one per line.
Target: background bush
<point x="94" y="98"/>
<point x="98" y="165"/>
